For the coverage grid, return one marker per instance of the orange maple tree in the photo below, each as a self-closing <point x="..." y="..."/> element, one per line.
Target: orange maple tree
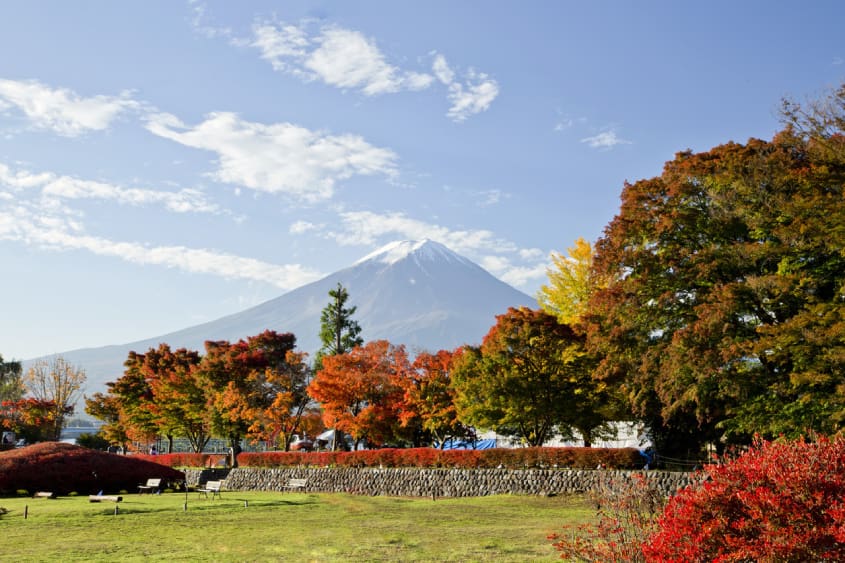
<point x="362" y="391"/>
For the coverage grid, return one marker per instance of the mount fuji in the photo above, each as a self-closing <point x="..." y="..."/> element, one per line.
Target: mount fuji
<point x="416" y="293"/>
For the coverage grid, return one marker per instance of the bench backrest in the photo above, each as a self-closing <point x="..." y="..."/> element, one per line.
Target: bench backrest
<point x="213" y="485"/>
<point x="297" y="482"/>
<point x="153" y="482"/>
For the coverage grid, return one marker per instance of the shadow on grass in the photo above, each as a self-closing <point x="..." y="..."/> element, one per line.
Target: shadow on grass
<point x="168" y="505"/>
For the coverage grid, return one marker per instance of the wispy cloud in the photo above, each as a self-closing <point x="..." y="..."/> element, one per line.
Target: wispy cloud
<point x="280" y="157"/>
<point x="348" y="59"/>
<point x="339" y="57"/>
<point x="605" y="140"/>
<point x="53" y="186"/>
<point x="497" y="255"/>
<point x="473" y="96"/>
<point x="199" y="21"/>
<point x="61" y="110"/>
<point x="24" y="224"/>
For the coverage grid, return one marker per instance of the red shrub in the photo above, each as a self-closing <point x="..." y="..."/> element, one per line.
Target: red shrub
<point x="184" y="459"/>
<point x="63" y="468"/>
<point x="780" y="501"/>
<point x="517" y="458"/>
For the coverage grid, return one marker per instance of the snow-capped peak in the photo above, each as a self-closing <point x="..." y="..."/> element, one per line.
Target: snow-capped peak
<point x="425" y="249"/>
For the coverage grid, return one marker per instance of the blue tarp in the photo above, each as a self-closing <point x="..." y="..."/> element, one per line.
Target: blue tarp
<point x="464" y="445"/>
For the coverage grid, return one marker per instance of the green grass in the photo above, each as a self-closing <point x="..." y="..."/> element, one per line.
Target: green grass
<point x="290" y="527"/>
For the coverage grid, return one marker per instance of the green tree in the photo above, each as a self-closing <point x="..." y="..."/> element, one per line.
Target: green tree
<point x="11" y="385"/>
<point x="339" y="332"/>
<point x="127" y="406"/>
<point x="530" y="377"/>
<point x="106" y="407"/>
<point x="724" y="312"/>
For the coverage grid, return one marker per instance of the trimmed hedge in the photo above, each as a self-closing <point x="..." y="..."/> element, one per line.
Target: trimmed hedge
<point x="517" y="458"/>
<point x="185" y="459"/>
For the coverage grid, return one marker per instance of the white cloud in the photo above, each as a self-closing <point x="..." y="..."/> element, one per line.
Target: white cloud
<point x="61" y="110"/>
<point x="278" y="158"/>
<point x="339" y="57"/>
<point x="365" y="228"/>
<point x="199" y="25"/>
<point x="277" y="44"/>
<point x="348" y="59"/>
<point x="605" y="140"/>
<point x="490" y="197"/>
<point x="441" y="70"/>
<point x="493" y="253"/>
<point x="473" y="97"/>
<point x="52" y="186"/>
<point x="302" y="227"/>
<point x="35" y="229"/>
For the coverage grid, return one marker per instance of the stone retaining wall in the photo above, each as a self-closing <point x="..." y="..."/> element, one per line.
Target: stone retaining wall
<point x="414" y="482"/>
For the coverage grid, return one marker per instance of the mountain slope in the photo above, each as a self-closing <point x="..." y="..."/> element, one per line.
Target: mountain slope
<point x="420" y="294"/>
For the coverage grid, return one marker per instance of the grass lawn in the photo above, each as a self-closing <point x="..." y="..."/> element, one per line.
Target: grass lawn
<point x="256" y="526"/>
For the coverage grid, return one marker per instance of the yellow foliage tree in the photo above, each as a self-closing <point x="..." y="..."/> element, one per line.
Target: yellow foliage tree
<point x="571" y="282"/>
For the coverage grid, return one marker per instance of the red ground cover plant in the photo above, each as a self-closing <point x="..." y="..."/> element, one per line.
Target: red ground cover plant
<point x="63" y="468"/>
<point x="780" y="501"/>
<point x="516" y="458"/>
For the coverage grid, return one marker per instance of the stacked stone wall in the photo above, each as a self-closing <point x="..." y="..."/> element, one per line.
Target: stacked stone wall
<point x="416" y="482"/>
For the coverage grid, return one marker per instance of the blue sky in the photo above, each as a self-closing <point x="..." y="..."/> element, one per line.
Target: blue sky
<point x="166" y="163"/>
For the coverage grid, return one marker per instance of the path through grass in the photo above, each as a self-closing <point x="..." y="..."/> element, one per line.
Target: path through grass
<point x="254" y="526"/>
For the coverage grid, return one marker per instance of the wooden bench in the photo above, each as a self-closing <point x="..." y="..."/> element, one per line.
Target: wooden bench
<point x="151" y="486"/>
<point x="44" y="494"/>
<point x="98" y="498"/>
<point x="212" y="487"/>
<point x="295" y="485"/>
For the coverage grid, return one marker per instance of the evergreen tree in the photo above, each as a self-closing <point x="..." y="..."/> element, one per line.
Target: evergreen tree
<point x="339" y="333"/>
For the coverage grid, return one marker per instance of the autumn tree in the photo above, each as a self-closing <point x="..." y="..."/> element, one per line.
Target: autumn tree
<point x="106" y="407"/>
<point x="58" y="382"/>
<point x="132" y="395"/>
<point x="361" y="391"/>
<point x="571" y="282"/>
<point x="531" y="377"/>
<point x="178" y="399"/>
<point x="32" y="419"/>
<point x="429" y="398"/>
<point x="282" y="399"/>
<point x="724" y="314"/>
<point x="243" y="379"/>
<point x="339" y="332"/>
<point x="11" y="385"/>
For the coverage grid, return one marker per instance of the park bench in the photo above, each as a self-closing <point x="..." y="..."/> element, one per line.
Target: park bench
<point x="212" y="487"/>
<point x="295" y="485"/>
<point x="44" y="494"/>
<point x="151" y="486"/>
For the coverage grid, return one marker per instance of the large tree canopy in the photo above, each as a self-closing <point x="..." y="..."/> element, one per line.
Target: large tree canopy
<point x="530" y="377"/>
<point x="361" y="391"/>
<point x="724" y="314"/>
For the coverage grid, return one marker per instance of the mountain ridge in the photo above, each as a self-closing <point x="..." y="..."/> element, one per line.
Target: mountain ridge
<point x="416" y="293"/>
